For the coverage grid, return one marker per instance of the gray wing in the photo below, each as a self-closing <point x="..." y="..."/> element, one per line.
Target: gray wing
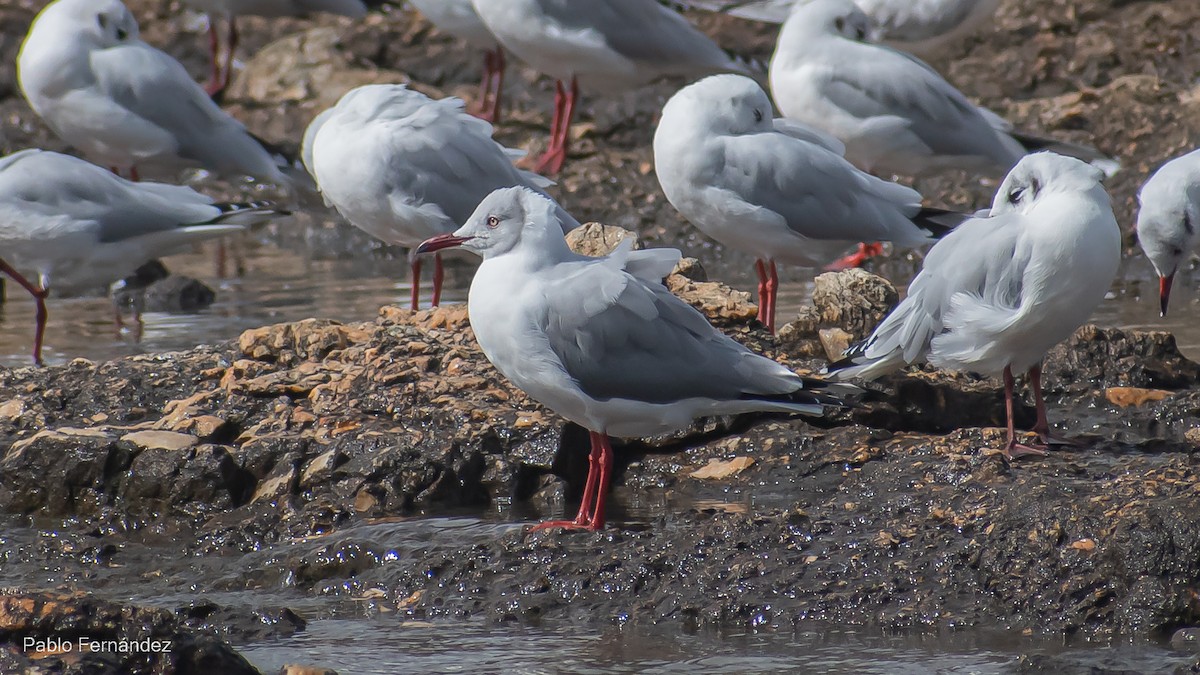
<point x="887" y="83"/>
<point x="61" y="186"/>
<point x="441" y="155"/>
<point x="155" y="87"/>
<point x="621" y="337"/>
<point x="818" y="192"/>
<point x="642" y="30"/>
<point x="980" y="258"/>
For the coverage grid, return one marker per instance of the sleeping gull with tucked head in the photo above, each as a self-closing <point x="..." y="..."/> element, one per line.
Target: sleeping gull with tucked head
<point x="404" y="167"/>
<point x="1168" y="219"/>
<point x="602" y="342"/>
<point x="895" y="114"/>
<point x="79" y="227"/>
<point x="999" y="291"/>
<point x="775" y="188"/>
<point x="125" y="104"/>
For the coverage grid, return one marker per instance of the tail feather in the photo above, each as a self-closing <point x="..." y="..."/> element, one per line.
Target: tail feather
<point x="939" y="222"/>
<point x="814" y="396"/>
<point x="1086" y="153"/>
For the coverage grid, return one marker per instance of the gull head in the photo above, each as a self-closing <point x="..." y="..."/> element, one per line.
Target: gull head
<point x="506" y="221"/>
<point x="1042" y="174"/>
<point x="720" y="104"/>
<point x="830" y="17"/>
<point x="98" y="23"/>
<point x="1167" y="222"/>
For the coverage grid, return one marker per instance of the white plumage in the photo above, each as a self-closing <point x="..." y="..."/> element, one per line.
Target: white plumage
<point x="1169" y="218"/>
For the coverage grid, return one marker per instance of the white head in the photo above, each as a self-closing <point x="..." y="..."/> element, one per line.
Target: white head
<point x="1041" y="174"/>
<point x="1168" y="221"/>
<point x="720" y="104"/>
<point x="98" y="24"/>
<point x="828" y="17"/>
<point x="507" y="220"/>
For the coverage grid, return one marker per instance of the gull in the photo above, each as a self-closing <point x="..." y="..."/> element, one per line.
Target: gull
<point x="230" y="10"/>
<point x="999" y="291"/>
<point x="775" y="188"/>
<point x="894" y="113"/>
<point x="604" y="45"/>
<point x="125" y="104"/>
<point x="1168" y="215"/>
<point x="404" y="167"/>
<point x="80" y="227"/>
<point x="922" y="27"/>
<point x="459" y="18"/>
<point x="601" y="342"/>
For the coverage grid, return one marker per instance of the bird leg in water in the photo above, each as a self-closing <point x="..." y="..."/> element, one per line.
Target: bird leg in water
<point x="1014" y="449"/>
<point x="551" y="162"/>
<point x="415" y="266"/>
<point x="39" y="296"/>
<point x="595" y="490"/>
<point x="864" y="253"/>
<point x="1042" y="426"/>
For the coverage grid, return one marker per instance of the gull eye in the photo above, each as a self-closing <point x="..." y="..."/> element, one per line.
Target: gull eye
<point x="1015" y="194"/>
<point x="102" y="21"/>
<point x="758" y="115"/>
<point x="121" y="34"/>
<point x="493" y="222"/>
<point x="840" y="24"/>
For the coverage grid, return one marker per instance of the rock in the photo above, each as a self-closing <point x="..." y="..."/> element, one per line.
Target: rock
<point x="1134" y="396"/>
<point x="835" y="342"/>
<point x="295" y="669"/>
<point x="595" y="239"/>
<point x="1112" y="357"/>
<point x="1193" y="436"/>
<point x="722" y="305"/>
<point x="854" y="300"/>
<point x="1186" y="640"/>
<point x="307" y="67"/>
<point x="160" y="440"/>
<point x="179" y="293"/>
<point x="691" y="268"/>
<point x="155" y="640"/>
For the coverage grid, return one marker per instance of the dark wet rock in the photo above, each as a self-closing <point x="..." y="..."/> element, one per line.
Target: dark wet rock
<point x="296" y="669"/>
<point x="1186" y="640"/>
<point x="34" y="627"/>
<point x="179" y="294"/>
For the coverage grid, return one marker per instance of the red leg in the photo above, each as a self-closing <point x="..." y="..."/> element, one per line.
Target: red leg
<point x="221" y="258"/>
<point x="594" y="488"/>
<point x="1013" y="449"/>
<point x="416" y="281"/>
<point x="214" y="47"/>
<point x="760" y="268"/>
<point x="1042" y="426"/>
<point x="438" y="275"/>
<point x="772" y="289"/>
<point x="233" y="45"/>
<point x="39" y="296"/>
<point x="865" y="252"/>
<point x="133" y="174"/>
<point x="606" y="464"/>
<point x="496" y="84"/>
<point x="551" y="162"/>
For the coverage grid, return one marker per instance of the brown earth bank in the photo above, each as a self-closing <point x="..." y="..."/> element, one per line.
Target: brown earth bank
<point x="304" y="451"/>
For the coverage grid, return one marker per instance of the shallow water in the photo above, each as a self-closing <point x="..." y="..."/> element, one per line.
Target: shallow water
<point x="333" y="272"/>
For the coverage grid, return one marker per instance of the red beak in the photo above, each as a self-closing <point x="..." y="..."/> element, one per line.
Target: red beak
<point x="440" y="242"/>
<point x="1164" y="292"/>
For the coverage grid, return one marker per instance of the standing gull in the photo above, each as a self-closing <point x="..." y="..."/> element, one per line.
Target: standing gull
<point x="79" y="227"/>
<point x="1168" y="217"/>
<point x="404" y="167"/>
<point x="602" y="342"/>
<point x="775" y="188"/>
<point x="999" y="291"/>
<point x="894" y="113"/>
<point x="124" y="103"/>
<point x="922" y="27"/>
<point x="230" y="10"/>
<point x="459" y="18"/>
<point x="603" y="45"/>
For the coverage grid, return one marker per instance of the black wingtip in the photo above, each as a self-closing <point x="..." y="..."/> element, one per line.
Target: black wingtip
<point x="939" y="222"/>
